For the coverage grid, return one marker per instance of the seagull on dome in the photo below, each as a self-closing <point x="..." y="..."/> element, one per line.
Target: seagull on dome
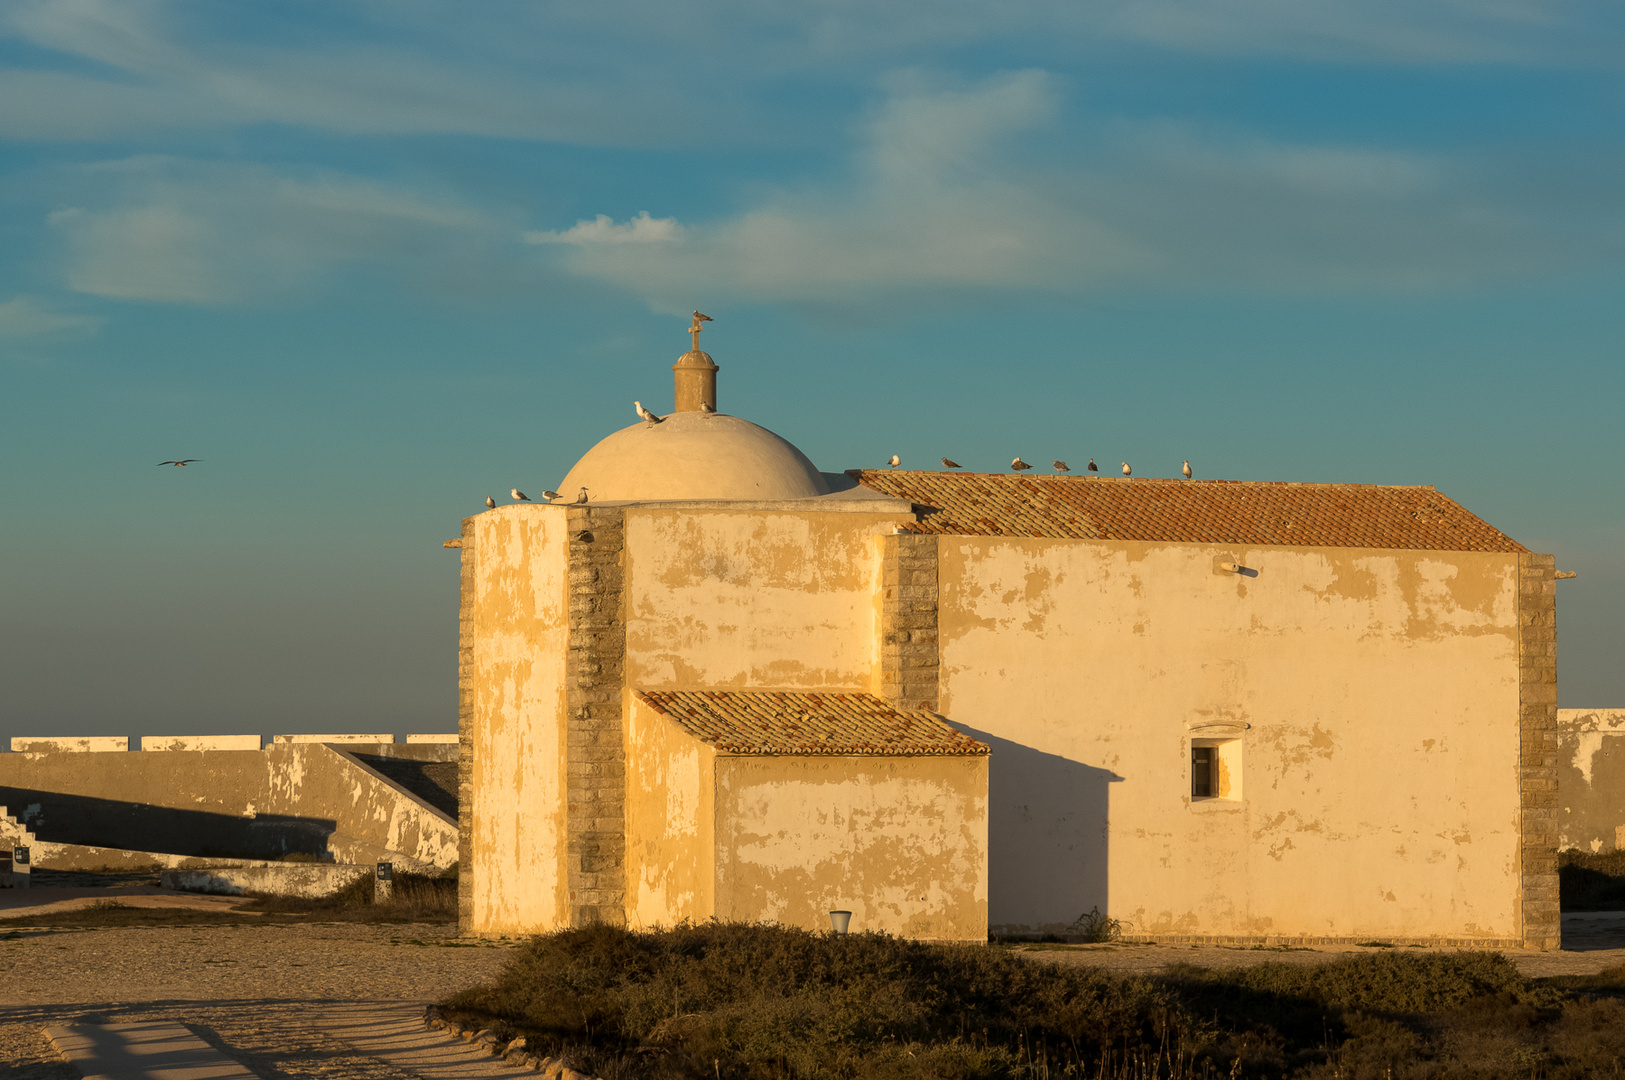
<point x="1060" y="466"/>
<point x="894" y="461"/>
<point x="1126" y="470"/>
<point x="180" y="464"/>
<point x="581" y="498"/>
<point x="707" y="408"/>
<point x="1187" y="470"/>
<point x="519" y="496"/>
<point x="645" y="415"/>
<point x="946" y="464"/>
<point x="552" y="496"/>
<point x="1092" y="466"/>
<point x="1018" y="465"/>
<point x="490" y="503"/>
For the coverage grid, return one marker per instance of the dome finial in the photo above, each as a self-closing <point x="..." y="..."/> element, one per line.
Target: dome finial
<point x="695" y="375"/>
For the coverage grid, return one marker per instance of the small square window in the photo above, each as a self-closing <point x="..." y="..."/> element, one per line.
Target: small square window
<point x="1216" y="769"/>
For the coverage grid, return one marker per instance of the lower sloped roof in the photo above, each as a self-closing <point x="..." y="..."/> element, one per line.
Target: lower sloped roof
<point x="796" y="723"/>
<point x="1261" y="513"/>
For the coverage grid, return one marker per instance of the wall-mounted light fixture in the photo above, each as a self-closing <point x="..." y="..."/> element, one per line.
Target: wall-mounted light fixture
<point x="839" y="921"/>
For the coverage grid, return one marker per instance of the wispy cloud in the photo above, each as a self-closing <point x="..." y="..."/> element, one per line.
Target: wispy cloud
<point x="642" y="72"/>
<point x="172" y="230"/>
<point x="641" y="229"/>
<point x="969" y="188"/>
<point x="25" y="317"/>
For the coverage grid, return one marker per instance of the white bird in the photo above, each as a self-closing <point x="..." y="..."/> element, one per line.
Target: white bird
<point x="1126" y="470"/>
<point x="1018" y="465"/>
<point x="581" y="498"/>
<point x="1187" y="470"/>
<point x="946" y="464"/>
<point x="1060" y="466"/>
<point x="551" y="495"/>
<point x="490" y="503"/>
<point x="894" y="461"/>
<point x="519" y="496"/>
<point x="645" y="415"/>
<point x="707" y="408"/>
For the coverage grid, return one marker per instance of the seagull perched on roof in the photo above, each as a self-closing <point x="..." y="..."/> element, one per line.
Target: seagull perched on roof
<point x="1126" y="470"/>
<point x="490" y="503"/>
<point x="1018" y="465"/>
<point x="551" y="495"/>
<point x="893" y="462"/>
<point x="179" y="464"/>
<point x="645" y="415"/>
<point x="519" y="496"/>
<point x="1092" y="466"/>
<point x="947" y="464"/>
<point x="581" y="498"/>
<point x="1060" y="466"/>
<point x="1187" y="470"/>
<point x="707" y="408"/>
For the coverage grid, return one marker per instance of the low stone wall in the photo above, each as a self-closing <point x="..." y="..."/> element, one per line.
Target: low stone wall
<point x="308" y="880"/>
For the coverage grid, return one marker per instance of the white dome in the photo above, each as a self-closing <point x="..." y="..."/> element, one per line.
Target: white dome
<point x="694" y="455"/>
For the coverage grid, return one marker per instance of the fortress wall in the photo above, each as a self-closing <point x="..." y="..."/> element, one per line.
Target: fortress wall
<point x="1366" y="705"/>
<point x="288" y="798"/>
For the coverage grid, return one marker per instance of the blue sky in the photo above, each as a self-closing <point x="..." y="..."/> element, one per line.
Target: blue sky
<point x="372" y="261"/>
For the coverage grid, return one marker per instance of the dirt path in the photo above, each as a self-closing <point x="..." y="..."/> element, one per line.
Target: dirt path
<point x="255" y="991"/>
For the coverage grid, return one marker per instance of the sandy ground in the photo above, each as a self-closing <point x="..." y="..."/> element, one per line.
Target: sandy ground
<point x="258" y="992"/>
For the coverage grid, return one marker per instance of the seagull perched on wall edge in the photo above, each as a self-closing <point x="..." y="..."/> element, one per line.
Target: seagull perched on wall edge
<point x="581" y="498"/>
<point x="551" y="496"/>
<point x="490" y="503"/>
<point x="645" y="415"/>
<point x="519" y="496"/>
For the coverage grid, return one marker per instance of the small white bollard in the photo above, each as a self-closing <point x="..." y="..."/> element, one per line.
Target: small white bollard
<point x="384" y="886"/>
<point x="839" y="921"/>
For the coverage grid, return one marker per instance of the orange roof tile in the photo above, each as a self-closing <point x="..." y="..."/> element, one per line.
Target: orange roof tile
<point x="794" y="723"/>
<point x="1189" y="511"/>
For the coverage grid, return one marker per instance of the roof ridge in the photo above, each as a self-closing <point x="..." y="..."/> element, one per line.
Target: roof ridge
<point x="858" y="474"/>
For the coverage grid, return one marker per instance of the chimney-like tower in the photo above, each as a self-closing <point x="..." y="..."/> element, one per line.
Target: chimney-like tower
<point x="694" y="376"/>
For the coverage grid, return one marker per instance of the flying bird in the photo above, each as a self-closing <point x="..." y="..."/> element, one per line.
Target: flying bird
<point x="1187" y="470"/>
<point x="1060" y="466"/>
<point x="179" y="464"/>
<point x="1092" y="466"/>
<point x="1018" y="465"/>
<point x="519" y="496"/>
<point x="581" y="498"/>
<point x="551" y="495"/>
<point x="1126" y="470"/>
<point x="490" y="503"/>
<point x="894" y="461"/>
<point x="645" y="415"/>
<point x="946" y="464"/>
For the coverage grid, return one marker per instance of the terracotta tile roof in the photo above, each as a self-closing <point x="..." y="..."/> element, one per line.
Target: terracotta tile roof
<point x="1189" y="511"/>
<point x="787" y="722"/>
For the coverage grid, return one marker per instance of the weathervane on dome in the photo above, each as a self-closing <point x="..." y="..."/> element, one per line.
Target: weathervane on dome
<point x="695" y="328"/>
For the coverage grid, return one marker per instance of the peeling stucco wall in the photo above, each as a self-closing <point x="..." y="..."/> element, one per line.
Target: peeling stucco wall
<point x="1591" y="779"/>
<point x="735" y="599"/>
<point x="516" y="816"/>
<point x="900" y="842"/>
<point x="670" y="806"/>
<point x="1375" y="694"/>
